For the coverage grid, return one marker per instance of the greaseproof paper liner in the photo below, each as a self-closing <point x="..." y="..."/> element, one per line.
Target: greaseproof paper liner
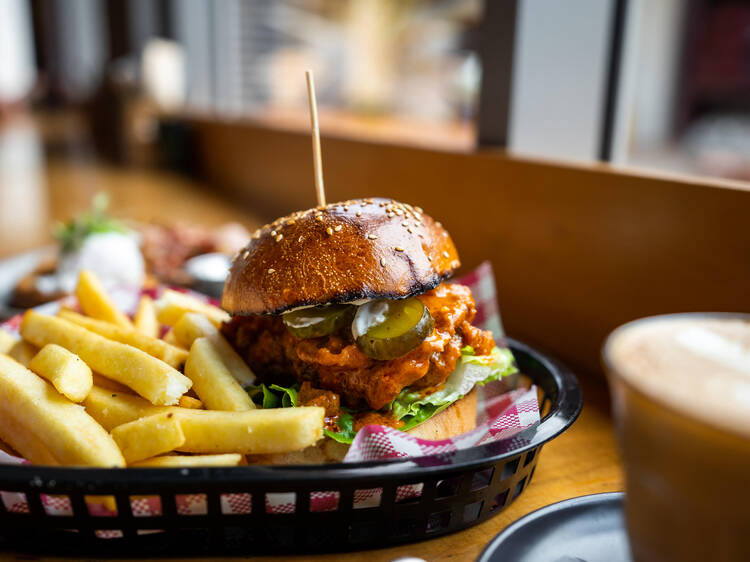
<point x="500" y="418"/>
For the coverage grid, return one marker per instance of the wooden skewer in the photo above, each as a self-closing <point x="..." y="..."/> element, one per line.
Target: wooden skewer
<point x="317" y="160"/>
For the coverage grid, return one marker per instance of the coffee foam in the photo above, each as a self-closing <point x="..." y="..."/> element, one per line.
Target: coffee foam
<point x="696" y="364"/>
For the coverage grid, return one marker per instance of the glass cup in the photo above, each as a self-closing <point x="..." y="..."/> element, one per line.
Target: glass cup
<point x="680" y="389"/>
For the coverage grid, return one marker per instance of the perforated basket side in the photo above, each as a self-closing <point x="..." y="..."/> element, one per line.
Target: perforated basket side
<point x="405" y="510"/>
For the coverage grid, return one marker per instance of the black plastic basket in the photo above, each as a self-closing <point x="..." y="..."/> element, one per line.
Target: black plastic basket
<point x="459" y="489"/>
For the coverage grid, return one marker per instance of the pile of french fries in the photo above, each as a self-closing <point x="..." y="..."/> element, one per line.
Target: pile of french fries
<point x="95" y="388"/>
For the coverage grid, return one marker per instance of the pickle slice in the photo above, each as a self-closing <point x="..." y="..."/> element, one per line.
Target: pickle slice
<point x="386" y="329"/>
<point x="318" y="321"/>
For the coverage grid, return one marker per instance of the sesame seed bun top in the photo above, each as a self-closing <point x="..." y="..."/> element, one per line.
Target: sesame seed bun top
<point x="343" y="252"/>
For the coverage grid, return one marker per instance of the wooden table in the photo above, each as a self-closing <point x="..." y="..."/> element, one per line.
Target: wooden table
<point x="582" y="461"/>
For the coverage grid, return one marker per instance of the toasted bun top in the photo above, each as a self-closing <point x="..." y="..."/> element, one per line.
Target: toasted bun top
<point x="344" y="252"/>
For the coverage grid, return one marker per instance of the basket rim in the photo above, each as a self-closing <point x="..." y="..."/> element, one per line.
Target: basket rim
<point x="564" y="410"/>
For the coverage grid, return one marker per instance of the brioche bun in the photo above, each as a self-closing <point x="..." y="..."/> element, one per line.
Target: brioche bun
<point x="344" y="252"/>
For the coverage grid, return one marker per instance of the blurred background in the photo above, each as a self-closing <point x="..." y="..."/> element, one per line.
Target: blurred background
<point x="662" y="84"/>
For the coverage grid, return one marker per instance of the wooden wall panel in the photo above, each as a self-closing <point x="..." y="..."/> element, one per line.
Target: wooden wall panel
<point x="576" y="250"/>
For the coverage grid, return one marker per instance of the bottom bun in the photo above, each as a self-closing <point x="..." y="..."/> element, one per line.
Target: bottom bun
<point x="458" y="418"/>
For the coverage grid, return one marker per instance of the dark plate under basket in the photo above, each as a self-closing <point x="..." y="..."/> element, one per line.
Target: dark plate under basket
<point x="459" y="489"/>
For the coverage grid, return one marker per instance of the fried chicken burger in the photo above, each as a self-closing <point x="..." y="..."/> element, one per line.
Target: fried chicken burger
<point x="346" y="307"/>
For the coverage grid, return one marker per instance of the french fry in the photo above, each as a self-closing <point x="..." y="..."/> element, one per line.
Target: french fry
<point x="171" y="355"/>
<point x="212" y="381"/>
<point x="151" y="378"/>
<point x="24" y="442"/>
<point x="112" y="408"/>
<point x="148" y="437"/>
<point x="193" y="325"/>
<point x="172" y="305"/>
<point x="109" y="384"/>
<point x="108" y="503"/>
<point x="250" y="432"/>
<point x="190" y="402"/>
<point x="186" y="461"/>
<point x="170" y="338"/>
<point x="71" y="435"/>
<point x="145" y="318"/>
<point x="22" y="351"/>
<point x="68" y="374"/>
<point x="6" y="341"/>
<point x="95" y="301"/>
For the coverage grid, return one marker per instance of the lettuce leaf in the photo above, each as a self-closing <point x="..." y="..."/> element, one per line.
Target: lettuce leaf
<point x="288" y="396"/>
<point x="346" y="433"/>
<point x="413" y="408"/>
<point x="274" y="396"/>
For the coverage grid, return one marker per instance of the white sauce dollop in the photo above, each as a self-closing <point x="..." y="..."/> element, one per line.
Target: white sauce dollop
<point x="114" y="257"/>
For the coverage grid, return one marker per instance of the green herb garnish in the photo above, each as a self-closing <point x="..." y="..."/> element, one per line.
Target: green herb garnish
<point x="72" y="234"/>
<point x="274" y="396"/>
<point x="346" y="431"/>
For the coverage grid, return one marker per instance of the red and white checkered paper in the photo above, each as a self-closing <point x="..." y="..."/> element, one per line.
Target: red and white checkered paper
<point x="501" y="417"/>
